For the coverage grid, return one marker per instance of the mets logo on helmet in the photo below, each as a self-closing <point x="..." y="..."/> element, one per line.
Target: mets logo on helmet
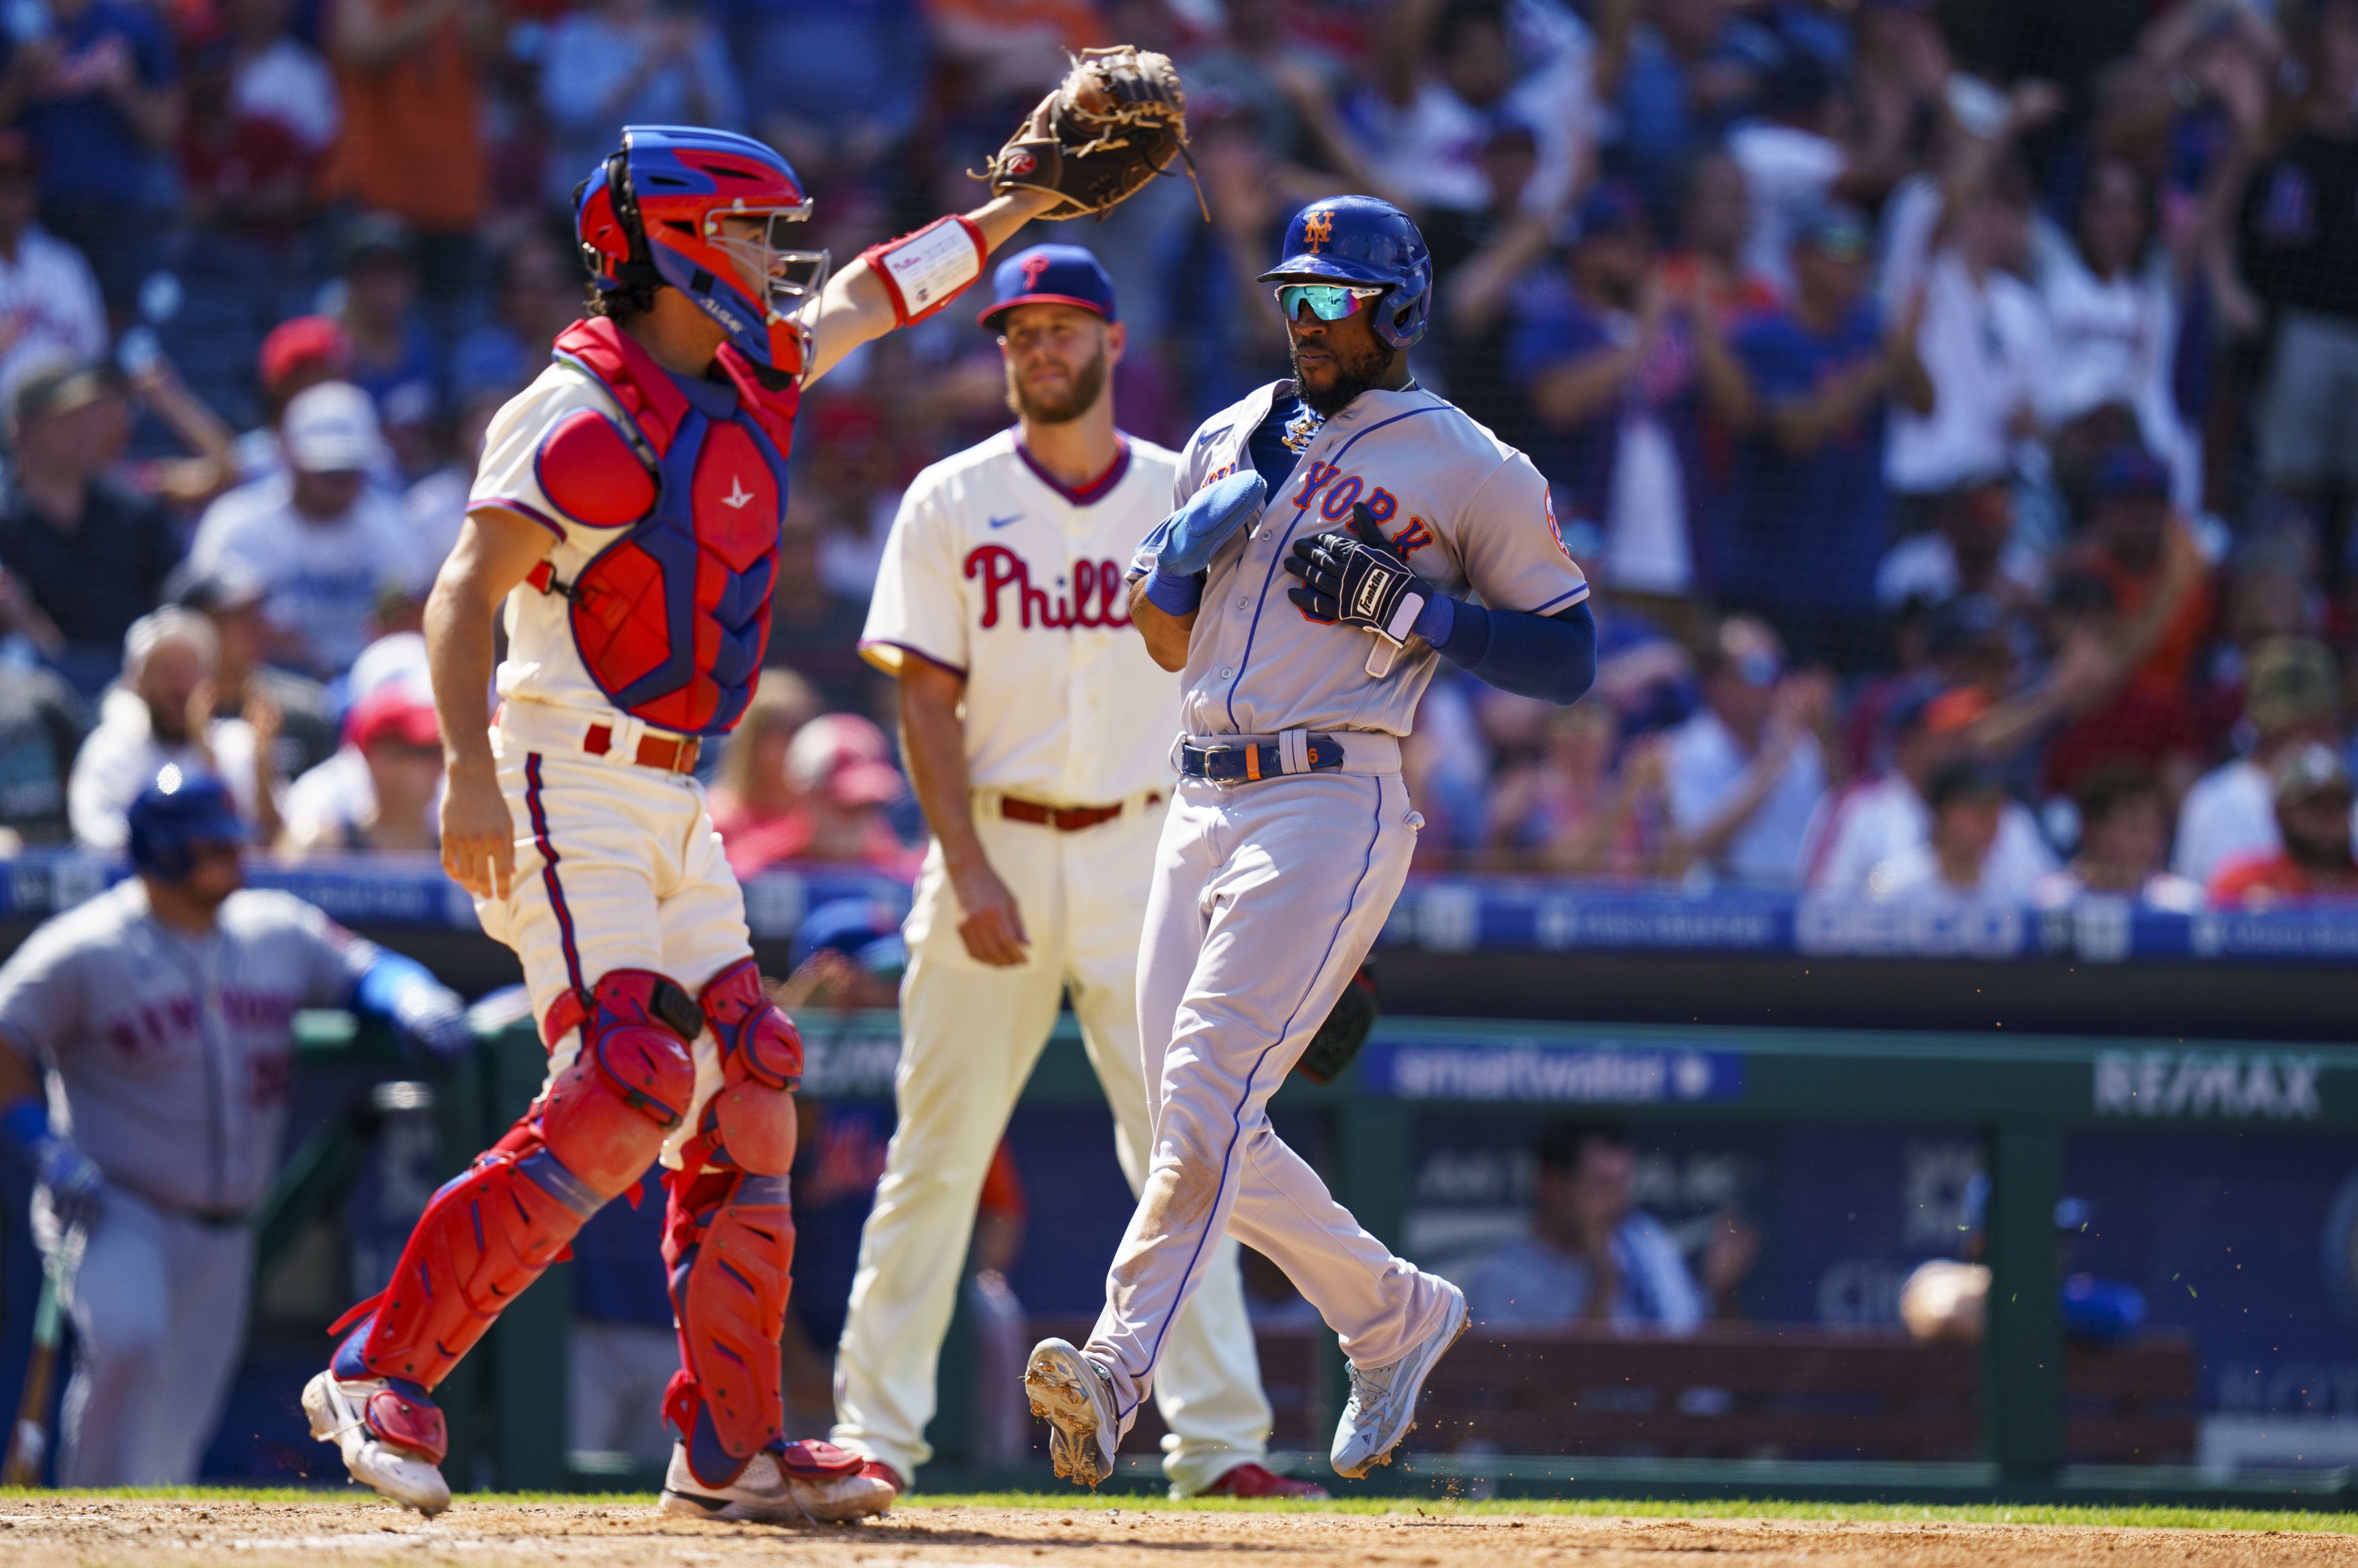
<point x="1317" y="230"/>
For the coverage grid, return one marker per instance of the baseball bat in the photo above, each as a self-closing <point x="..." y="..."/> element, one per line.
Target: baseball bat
<point x="29" y="1440"/>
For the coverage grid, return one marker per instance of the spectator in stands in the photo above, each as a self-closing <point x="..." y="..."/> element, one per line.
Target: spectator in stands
<point x="2292" y="699"/>
<point x="1746" y="771"/>
<point x="230" y="597"/>
<point x="839" y="768"/>
<point x="633" y="62"/>
<point x="1882" y="819"/>
<point x="41" y="725"/>
<point x="385" y="804"/>
<point x="1615" y="377"/>
<point x="50" y="304"/>
<point x="751" y="790"/>
<point x="537" y="296"/>
<point x="161" y="717"/>
<point x="2313" y="799"/>
<point x="1708" y="270"/>
<point x="1953" y="869"/>
<point x="394" y="353"/>
<point x="326" y="545"/>
<point x="2124" y="845"/>
<point x="2141" y="548"/>
<point x="93" y="82"/>
<point x="409" y="73"/>
<point x="1797" y="160"/>
<point x="865" y="100"/>
<point x="1970" y="548"/>
<point x="1568" y="810"/>
<point x="296" y="355"/>
<point x="1678" y="72"/>
<point x="92" y="554"/>
<point x="263" y="118"/>
<point x="1591" y="1256"/>
<point x="814" y="628"/>
<point x="1807" y="527"/>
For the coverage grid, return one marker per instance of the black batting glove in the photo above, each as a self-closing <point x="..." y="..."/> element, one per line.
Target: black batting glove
<point x="1358" y="579"/>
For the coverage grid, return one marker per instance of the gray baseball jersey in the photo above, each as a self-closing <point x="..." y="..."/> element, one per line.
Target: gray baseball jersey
<point x="168" y="1056"/>
<point x="1466" y="511"/>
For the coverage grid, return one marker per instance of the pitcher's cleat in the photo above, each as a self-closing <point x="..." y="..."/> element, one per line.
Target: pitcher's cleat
<point x="1381" y="1410"/>
<point x="390" y="1437"/>
<point x="1073" y="1394"/>
<point x="790" y="1483"/>
<point x="1254" y="1480"/>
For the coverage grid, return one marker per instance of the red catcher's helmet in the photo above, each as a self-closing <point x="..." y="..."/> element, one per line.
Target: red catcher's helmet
<point x="653" y="213"/>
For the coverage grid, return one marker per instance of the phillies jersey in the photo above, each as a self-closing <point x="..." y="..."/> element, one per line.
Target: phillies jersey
<point x="1463" y="508"/>
<point x="998" y="571"/>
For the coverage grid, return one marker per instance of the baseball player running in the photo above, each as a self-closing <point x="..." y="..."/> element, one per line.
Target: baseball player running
<point x="626" y="515"/>
<point x="1329" y="531"/>
<point x="159" y="1014"/>
<point x="1037" y="731"/>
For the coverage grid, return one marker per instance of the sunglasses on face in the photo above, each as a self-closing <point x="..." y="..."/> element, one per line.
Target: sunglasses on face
<point x="1327" y="301"/>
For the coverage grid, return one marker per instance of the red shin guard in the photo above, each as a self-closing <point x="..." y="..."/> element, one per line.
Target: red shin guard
<point x="729" y="1240"/>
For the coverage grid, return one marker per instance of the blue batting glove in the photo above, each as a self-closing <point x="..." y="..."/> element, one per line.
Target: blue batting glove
<point x="77" y="1188"/>
<point x="1193" y="534"/>
<point x="432" y="1016"/>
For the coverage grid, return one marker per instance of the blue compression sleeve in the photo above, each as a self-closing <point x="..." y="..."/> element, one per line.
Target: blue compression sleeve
<point x="1174" y="596"/>
<point x="1552" y="657"/>
<point x="26" y="1122"/>
<point x="385" y="980"/>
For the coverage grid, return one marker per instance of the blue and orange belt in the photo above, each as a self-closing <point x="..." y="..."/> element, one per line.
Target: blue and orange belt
<point x="1248" y="762"/>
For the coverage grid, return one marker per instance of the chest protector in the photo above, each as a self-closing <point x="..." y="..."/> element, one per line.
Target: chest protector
<point x="672" y="618"/>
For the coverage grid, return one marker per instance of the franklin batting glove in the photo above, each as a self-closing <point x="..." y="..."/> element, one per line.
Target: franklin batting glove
<point x="1358" y="579"/>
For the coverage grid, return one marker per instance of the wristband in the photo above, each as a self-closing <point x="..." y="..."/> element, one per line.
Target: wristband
<point x="1436" y="620"/>
<point x="26" y="1123"/>
<point x="925" y="270"/>
<point x="1174" y="596"/>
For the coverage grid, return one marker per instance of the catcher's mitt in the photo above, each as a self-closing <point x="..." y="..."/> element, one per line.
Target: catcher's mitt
<point x="1346" y="1029"/>
<point x="1114" y="123"/>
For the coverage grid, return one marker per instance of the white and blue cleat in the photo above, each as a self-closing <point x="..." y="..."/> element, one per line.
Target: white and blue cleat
<point x="1381" y="1410"/>
<point x="1073" y="1394"/>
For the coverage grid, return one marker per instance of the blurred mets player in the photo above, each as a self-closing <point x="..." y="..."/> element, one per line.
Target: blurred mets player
<point x="160" y="1013"/>
<point x="1038" y="731"/>
<point x="626" y="515"/>
<point x="1336" y="533"/>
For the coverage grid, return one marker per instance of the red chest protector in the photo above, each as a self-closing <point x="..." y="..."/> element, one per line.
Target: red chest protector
<point x="670" y="619"/>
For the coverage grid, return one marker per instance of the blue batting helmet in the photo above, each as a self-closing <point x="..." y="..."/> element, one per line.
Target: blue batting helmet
<point x="1363" y="240"/>
<point x="177" y="815"/>
<point x="652" y="213"/>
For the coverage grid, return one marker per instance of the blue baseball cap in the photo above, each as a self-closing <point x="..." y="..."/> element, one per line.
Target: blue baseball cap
<point x="1049" y="275"/>
<point x="2131" y="471"/>
<point x="863" y="930"/>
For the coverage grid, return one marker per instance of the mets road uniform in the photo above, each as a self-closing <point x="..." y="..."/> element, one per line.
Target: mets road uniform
<point x="1270" y="890"/>
<point x="167" y="1058"/>
<point x="999" y="572"/>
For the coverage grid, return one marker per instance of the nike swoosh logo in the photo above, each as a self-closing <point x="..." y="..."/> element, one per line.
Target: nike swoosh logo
<point x="1003" y="522"/>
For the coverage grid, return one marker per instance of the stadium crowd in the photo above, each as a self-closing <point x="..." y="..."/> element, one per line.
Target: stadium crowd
<point x="1956" y="405"/>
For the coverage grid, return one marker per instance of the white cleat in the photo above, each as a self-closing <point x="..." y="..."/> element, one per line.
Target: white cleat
<point x="338" y="1412"/>
<point x="766" y="1492"/>
<point x="1073" y="1394"/>
<point x="1381" y="1410"/>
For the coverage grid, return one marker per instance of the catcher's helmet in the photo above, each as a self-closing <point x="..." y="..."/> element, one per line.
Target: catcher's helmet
<point x="175" y="817"/>
<point x="1363" y="240"/>
<point x="652" y="213"/>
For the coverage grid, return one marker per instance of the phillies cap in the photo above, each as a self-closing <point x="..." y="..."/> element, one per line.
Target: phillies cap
<point x="1049" y="275"/>
<point x="397" y="712"/>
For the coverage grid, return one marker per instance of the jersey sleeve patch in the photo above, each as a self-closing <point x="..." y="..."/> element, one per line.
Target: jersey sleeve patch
<point x="590" y="473"/>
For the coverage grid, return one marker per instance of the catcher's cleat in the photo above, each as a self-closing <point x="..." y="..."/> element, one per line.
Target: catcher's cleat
<point x="1254" y="1480"/>
<point x="1073" y="1394"/>
<point x="390" y="1434"/>
<point x="788" y="1483"/>
<point x="877" y="1470"/>
<point x="1382" y="1407"/>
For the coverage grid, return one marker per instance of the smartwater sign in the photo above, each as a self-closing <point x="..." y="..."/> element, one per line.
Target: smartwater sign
<point x="1525" y="1071"/>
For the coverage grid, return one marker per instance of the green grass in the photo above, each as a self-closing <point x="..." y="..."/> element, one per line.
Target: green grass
<point x="2137" y="1517"/>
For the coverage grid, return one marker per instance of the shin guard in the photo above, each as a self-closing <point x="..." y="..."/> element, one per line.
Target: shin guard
<point x="728" y="1241"/>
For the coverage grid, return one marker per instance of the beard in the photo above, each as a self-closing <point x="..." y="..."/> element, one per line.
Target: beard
<point x="1088" y="384"/>
<point x="1355" y="372"/>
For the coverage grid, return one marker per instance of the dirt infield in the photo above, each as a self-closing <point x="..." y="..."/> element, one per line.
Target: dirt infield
<point x="81" y="1532"/>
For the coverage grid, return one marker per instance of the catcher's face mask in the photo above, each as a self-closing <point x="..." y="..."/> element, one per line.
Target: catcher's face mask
<point x="1327" y="301"/>
<point x="761" y="243"/>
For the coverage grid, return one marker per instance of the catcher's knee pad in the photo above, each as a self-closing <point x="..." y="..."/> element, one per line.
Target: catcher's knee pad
<point x="631" y="1082"/>
<point x="729" y="1240"/>
<point x="751" y="1121"/>
<point x="485" y="1238"/>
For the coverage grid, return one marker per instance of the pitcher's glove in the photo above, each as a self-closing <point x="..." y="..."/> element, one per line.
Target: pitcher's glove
<point x="1339" y="1039"/>
<point x="1358" y="579"/>
<point x="1114" y="123"/>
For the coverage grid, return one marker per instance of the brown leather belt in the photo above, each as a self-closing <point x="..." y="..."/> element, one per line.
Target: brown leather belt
<point x="669" y="754"/>
<point x="1063" y="818"/>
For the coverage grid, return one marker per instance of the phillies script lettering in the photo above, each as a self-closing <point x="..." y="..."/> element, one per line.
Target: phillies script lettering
<point x="1096" y="597"/>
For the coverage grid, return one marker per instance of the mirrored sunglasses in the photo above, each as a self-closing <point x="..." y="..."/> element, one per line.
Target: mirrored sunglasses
<point x="1327" y="301"/>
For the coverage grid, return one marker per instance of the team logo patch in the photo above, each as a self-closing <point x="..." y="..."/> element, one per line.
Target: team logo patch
<point x="1034" y="265"/>
<point x="1022" y="162"/>
<point x="1317" y="230"/>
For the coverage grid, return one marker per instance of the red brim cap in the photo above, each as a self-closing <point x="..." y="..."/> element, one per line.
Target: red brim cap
<point x="865" y="783"/>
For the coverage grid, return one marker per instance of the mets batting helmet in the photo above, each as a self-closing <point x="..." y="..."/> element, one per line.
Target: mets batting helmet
<point x="177" y="815"/>
<point x="1366" y="241"/>
<point x="652" y="213"/>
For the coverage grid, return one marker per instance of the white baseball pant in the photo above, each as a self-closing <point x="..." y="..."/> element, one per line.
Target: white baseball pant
<point x="617" y="867"/>
<point x="971" y="1034"/>
<point x="158" y="1312"/>
<point x="1266" y="897"/>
